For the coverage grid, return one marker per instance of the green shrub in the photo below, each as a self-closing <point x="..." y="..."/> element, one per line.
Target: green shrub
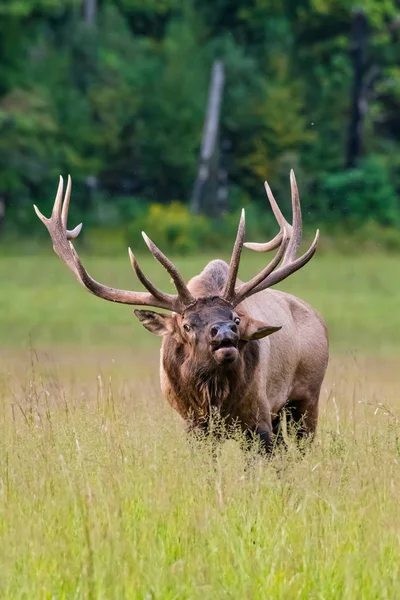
<point x="361" y="194"/>
<point x="175" y="229"/>
<point x="172" y="227"/>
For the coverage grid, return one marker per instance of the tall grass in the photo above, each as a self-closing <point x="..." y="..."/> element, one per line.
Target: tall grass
<point x="102" y="495"/>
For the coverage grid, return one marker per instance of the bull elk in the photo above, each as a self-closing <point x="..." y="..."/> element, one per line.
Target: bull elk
<point x="237" y="348"/>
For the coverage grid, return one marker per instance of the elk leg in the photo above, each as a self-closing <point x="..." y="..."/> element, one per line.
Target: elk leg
<point x="265" y="438"/>
<point x="305" y="417"/>
<point x="301" y="415"/>
<point x="266" y="441"/>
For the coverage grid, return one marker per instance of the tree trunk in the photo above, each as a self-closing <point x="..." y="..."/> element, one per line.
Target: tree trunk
<point x="205" y="187"/>
<point x="222" y="193"/>
<point x="2" y="211"/>
<point x="90" y="12"/>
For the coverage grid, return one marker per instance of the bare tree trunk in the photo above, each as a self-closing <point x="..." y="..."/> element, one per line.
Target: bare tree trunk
<point x="221" y="205"/>
<point x="2" y="211"/>
<point x="90" y="12"/>
<point x="359" y="101"/>
<point x="208" y="158"/>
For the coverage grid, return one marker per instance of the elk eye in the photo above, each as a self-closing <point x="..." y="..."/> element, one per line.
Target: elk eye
<point x="186" y="327"/>
<point x="237" y="320"/>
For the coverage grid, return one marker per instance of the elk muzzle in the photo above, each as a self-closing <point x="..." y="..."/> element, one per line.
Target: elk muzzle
<point x="224" y="338"/>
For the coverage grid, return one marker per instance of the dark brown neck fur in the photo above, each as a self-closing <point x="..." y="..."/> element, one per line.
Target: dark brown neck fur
<point x="199" y="390"/>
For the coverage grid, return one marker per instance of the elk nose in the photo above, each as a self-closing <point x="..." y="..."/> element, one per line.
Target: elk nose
<point x="224" y="331"/>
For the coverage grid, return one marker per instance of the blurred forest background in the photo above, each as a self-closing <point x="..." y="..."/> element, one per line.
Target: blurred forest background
<point x="115" y="93"/>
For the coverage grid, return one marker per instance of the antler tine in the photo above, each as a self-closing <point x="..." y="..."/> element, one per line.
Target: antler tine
<point x="58" y="202"/>
<point x="296" y="229"/>
<point x="177" y="278"/>
<point x="71" y="233"/>
<point x="146" y="282"/>
<point x="229" y="289"/>
<point x="283" y="224"/>
<point x="275" y="208"/>
<point x="267" y="247"/>
<point x="287" y="269"/>
<point x="246" y="288"/>
<point x="65" y="206"/>
<point x="61" y="237"/>
<point x="289" y="239"/>
<point x="41" y="216"/>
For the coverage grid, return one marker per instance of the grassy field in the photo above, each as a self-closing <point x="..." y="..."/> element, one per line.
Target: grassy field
<point x="103" y="496"/>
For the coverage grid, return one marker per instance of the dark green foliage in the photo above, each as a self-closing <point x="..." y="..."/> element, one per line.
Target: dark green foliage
<point x="121" y="104"/>
<point x="362" y="193"/>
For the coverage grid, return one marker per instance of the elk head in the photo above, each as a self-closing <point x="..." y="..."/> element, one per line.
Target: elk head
<point x="212" y="329"/>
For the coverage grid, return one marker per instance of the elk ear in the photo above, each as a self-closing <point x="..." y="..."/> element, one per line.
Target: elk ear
<point x="158" y="323"/>
<point x="251" y="329"/>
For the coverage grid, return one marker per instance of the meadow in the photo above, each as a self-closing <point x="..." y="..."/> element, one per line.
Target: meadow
<point x="103" y="496"/>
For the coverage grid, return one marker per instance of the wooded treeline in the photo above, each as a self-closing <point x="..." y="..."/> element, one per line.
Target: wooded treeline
<point x="115" y="93"/>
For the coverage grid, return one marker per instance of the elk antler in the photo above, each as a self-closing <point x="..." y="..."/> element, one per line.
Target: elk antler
<point x="288" y="240"/>
<point x="61" y="236"/>
<point x="229" y="289"/>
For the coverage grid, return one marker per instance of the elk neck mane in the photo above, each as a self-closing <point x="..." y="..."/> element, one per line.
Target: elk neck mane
<point x="197" y="387"/>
